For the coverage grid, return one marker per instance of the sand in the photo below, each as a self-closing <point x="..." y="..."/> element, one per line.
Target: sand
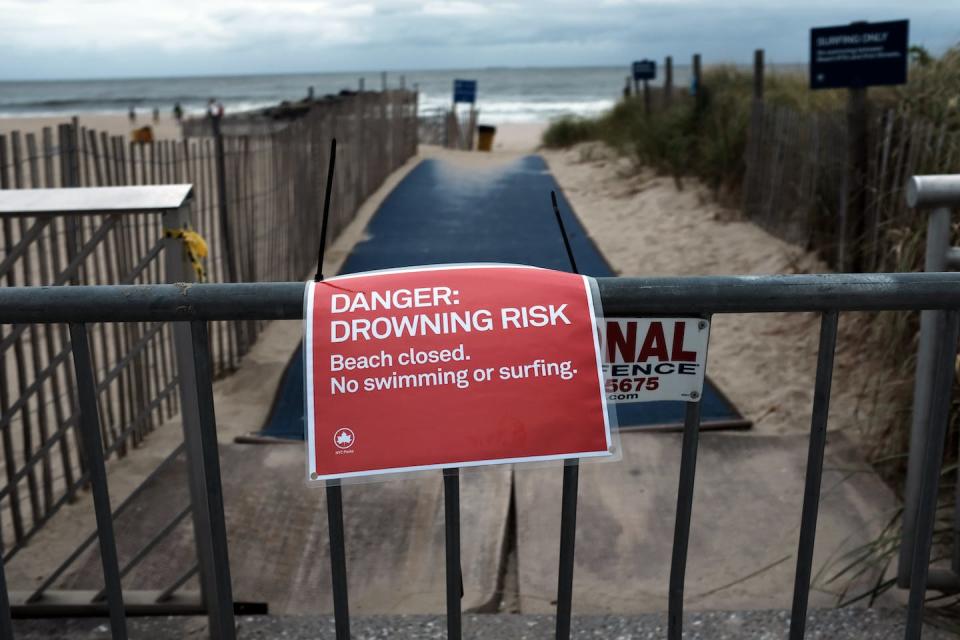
<point x="116" y="125"/>
<point x="643" y="224"/>
<point x="646" y="226"/>
<point x="765" y="363"/>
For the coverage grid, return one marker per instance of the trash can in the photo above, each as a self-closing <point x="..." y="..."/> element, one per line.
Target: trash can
<point x="485" y="137"/>
<point x="143" y="134"/>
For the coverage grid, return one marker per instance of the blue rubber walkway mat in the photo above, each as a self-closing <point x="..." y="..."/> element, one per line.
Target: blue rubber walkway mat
<point x="444" y="213"/>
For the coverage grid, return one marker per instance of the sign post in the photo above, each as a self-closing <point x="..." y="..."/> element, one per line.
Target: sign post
<point x="451" y="366"/>
<point x="854" y="57"/>
<point x="464" y="91"/>
<point x="644" y="70"/>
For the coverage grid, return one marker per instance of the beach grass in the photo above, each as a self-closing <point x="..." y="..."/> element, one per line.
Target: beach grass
<point x="707" y="139"/>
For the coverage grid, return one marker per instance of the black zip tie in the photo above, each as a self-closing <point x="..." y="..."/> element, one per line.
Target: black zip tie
<point x="563" y="232"/>
<point x="326" y="210"/>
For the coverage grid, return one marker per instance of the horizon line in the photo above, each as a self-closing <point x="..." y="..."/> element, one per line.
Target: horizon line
<point x="369" y="72"/>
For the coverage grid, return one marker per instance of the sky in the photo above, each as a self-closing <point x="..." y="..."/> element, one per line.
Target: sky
<point x="50" y="39"/>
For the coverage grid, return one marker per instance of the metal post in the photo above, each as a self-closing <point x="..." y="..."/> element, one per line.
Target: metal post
<point x="93" y="450"/>
<point x="202" y="451"/>
<point x="681" y="530"/>
<point x="6" y="625"/>
<point x="199" y="436"/>
<point x="933" y="461"/>
<point x="338" y="560"/>
<point x="568" y="535"/>
<point x="811" y="492"/>
<point x="451" y="511"/>
<point x="938" y="242"/>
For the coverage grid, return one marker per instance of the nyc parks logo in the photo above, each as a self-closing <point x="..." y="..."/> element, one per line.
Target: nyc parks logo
<point x="343" y="439"/>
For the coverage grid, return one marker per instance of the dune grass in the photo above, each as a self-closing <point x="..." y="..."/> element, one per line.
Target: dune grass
<point x="707" y="139"/>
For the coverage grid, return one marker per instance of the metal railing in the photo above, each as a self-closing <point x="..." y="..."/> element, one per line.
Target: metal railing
<point x="191" y="307"/>
<point x="937" y="193"/>
<point x="73" y="236"/>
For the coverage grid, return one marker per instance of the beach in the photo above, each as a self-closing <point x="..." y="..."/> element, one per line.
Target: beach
<point x="646" y="226"/>
<point x="642" y="223"/>
<point x="166" y="128"/>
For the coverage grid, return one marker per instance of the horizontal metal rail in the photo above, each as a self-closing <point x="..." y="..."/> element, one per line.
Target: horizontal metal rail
<point x="702" y="296"/>
<point x="927" y="192"/>
<point x="621" y="297"/>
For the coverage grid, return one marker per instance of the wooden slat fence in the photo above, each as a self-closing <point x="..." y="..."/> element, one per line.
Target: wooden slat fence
<point x="274" y="194"/>
<point x="795" y="183"/>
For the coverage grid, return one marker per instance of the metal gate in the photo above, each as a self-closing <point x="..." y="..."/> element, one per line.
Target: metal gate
<point x="191" y="307"/>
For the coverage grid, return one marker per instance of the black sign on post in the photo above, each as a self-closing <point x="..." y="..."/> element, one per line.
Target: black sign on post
<point x="859" y="55"/>
<point x="645" y="70"/>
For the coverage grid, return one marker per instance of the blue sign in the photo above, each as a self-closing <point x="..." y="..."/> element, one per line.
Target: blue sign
<point x="465" y="91"/>
<point x="644" y="70"/>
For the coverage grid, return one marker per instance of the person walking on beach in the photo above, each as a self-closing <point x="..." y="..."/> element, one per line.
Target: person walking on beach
<point x="178" y="112"/>
<point x="132" y="114"/>
<point x="214" y="113"/>
<point x="214" y="109"/>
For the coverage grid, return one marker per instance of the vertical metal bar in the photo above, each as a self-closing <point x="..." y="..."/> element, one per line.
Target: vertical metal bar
<point x="216" y="565"/>
<point x="938" y="241"/>
<point x="932" y="462"/>
<point x="451" y="513"/>
<point x="6" y="625"/>
<point x="93" y="447"/>
<point x="191" y="343"/>
<point x="681" y="530"/>
<point x="10" y="465"/>
<point x="811" y="492"/>
<point x="568" y="535"/>
<point x="338" y="560"/>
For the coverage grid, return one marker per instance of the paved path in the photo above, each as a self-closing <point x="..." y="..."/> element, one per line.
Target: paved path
<point x="445" y="213"/>
<point x="748" y="487"/>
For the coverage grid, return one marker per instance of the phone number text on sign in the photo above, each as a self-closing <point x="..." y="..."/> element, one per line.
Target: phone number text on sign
<point x="650" y="359"/>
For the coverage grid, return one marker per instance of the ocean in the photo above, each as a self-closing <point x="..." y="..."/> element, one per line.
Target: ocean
<point x="503" y="95"/>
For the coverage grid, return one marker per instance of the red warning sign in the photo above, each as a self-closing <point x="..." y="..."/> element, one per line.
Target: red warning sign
<point x="451" y="366"/>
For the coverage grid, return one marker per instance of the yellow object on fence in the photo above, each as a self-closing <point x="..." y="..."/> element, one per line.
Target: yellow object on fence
<point x="143" y="134"/>
<point x="195" y="246"/>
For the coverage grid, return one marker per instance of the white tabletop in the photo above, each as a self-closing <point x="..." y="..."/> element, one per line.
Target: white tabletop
<point x="85" y="200"/>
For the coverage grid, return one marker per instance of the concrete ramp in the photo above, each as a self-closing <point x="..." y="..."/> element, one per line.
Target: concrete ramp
<point x="277" y="534"/>
<point x="744" y="530"/>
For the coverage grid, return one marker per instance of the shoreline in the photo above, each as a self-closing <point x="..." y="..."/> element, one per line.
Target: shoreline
<point x="513" y="137"/>
<point x="166" y="128"/>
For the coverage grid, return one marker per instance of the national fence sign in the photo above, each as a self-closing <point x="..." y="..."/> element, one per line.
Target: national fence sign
<point x="649" y="359"/>
<point x="451" y="366"/>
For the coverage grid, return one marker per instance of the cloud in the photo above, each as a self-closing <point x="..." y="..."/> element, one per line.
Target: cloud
<point x="84" y="38"/>
<point x="454" y="8"/>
